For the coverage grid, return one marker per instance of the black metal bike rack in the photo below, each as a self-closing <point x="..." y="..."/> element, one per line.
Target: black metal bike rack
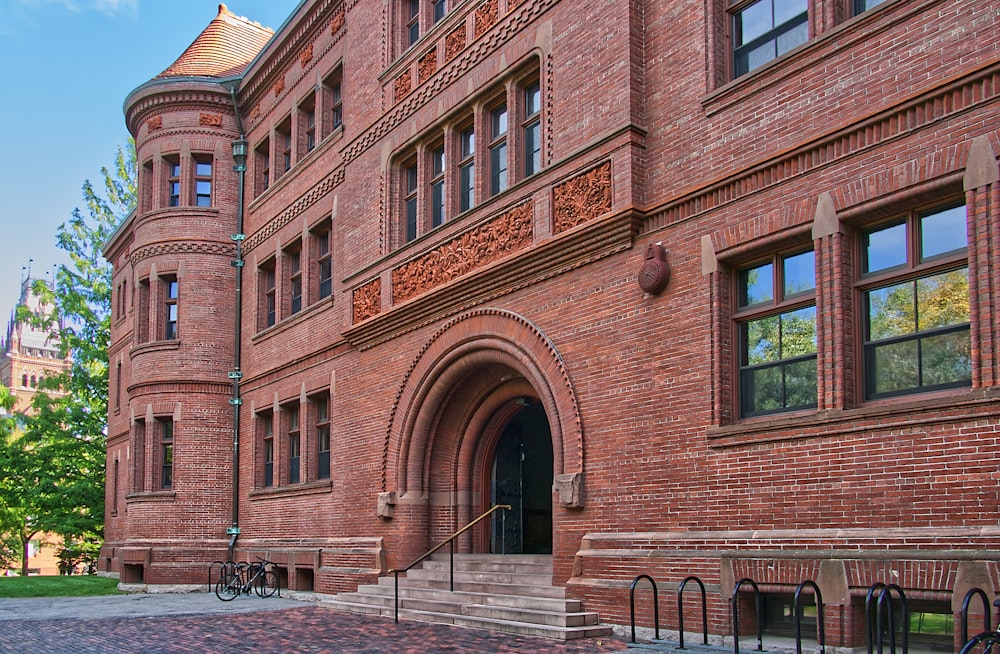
<point x="759" y="606"/>
<point x="987" y="618"/>
<point x="680" y="610"/>
<point x="656" y="604"/>
<point x="820" y="628"/>
<point x="884" y="605"/>
<point x="987" y="639"/>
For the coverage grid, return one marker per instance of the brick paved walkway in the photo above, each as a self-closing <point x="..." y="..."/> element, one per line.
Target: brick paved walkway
<point x="311" y="629"/>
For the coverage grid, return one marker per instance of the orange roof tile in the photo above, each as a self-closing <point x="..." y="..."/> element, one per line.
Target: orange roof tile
<point x="223" y="49"/>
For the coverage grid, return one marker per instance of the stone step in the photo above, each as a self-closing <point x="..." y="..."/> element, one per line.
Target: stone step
<point x="463" y="597"/>
<point x="452" y="605"/>
<point x="485" y="576"/>
<point x="524" y="564"/>
<point x="492" y="588"/>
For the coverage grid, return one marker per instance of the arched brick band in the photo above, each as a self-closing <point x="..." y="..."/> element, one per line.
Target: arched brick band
<point x="467" y="342"/>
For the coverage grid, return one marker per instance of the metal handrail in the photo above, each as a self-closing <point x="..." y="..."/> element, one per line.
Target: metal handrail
<point x="451" y="562"/>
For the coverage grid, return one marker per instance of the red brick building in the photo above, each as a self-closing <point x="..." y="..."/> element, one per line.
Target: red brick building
<point x="699" y="287"/>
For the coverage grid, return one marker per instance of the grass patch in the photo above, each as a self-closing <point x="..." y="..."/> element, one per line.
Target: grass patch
<point x="58" y="586"/>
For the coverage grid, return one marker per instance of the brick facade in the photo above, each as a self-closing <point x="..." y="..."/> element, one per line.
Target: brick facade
<point x="601" y="128"/>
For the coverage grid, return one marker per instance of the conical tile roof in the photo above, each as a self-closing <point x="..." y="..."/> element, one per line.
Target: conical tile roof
<point x="223" y="49"/>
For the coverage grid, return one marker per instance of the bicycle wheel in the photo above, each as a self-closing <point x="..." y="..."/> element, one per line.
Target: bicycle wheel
<point x="267" y="584"/>
<point x="228" y="587"/>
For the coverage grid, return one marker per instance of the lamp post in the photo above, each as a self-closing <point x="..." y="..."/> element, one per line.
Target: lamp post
<point x="240" y="161"/>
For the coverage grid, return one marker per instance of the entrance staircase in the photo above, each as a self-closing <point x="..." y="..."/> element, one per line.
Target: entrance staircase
<point x="509" y="593"/>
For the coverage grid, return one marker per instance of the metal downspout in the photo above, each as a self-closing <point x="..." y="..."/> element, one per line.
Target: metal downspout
<point x="236" y="374"/>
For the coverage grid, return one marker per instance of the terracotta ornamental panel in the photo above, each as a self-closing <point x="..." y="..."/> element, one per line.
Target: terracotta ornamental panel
<point x="474" y="249"/>
<point x="367" y="300"/>
<point x="582" y="198"/>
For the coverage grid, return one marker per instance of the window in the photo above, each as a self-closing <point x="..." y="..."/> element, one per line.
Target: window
<point x="413" y="22"/>
<point x="766" y="29"/>
<point x="169" y="286"/>
<point x="283" y="135"/>
<point x="294" y="450"/>
<point x="861" y="6"/>
<point x="437" y="186"/>
<point x="262" y="167"/>
<point x="203" y="180"/>
<point x="915" y="304"/>
<point x="293" y="257"/>
<point x="467" y="169"/>
<point x="410" y="200"/>
<point x="166" y="428"/>
<point x="268" y="305"/>
<point x="532" y="129"/>
<point x="267" y="440"/>
<point x="173" y="181"/>
<point x="307" y="123"/>
<point x="776" y="319"/>
<point x="498" y="149"/>
<point x="333" y="101"/>
<point x="322" y="409"/>
<point x="324" y="261"/>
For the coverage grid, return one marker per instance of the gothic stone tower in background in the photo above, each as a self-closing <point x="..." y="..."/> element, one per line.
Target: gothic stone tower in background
<point x="173" y="320"/>
<point x="29" y="355"/>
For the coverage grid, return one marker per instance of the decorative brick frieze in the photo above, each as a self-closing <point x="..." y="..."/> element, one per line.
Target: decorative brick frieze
<point x="367" y="300"/>
<point x="496" y="239"/>
<point x="582" y="198"/>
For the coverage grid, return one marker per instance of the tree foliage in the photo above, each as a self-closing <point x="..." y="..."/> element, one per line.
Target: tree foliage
<point x="60" y="462"/>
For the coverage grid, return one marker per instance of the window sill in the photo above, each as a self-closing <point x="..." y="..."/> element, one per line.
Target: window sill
<point x="294" y="319"/>
<point x="293" y="490"/>
<point x="895" y="413"/>
<point x="151" y="496"/>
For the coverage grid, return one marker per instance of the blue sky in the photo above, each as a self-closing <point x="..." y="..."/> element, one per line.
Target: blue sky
<point x="66" y="67"/>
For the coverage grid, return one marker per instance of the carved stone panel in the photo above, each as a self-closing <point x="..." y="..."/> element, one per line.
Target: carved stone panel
<point x="454" y="42"/>
<point x="367" y="300"/>
<point x="426" y="66"/>
<point x="402" y="86"/>
<point x="503" y="236"/>
<point x="210" y="120"/>
<point x="486" y="16"/>
<point x="337" y="21"/>
<point x="306" y="56"/>
<point x="156" y="122"/>
<point x="582" y="198"/>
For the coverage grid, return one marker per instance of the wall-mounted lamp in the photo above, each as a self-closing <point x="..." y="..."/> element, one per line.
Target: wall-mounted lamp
<point x="240" y="155"/>
<point x="654" y="274"/>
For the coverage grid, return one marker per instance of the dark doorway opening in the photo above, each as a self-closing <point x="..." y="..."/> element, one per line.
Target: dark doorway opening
<point x="522" y="478"/>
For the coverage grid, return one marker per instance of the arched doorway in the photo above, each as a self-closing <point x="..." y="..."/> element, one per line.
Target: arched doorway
<point x="521" y="476"/>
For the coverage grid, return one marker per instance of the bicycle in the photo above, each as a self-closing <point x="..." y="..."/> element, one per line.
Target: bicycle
<point x="240" y="578"/>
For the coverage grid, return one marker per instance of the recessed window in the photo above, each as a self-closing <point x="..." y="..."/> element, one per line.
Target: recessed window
<point x="410" y="200"/>
<point x="861" y="6"/>
<point x="467" y="169"/>
<point x="283" y="135"/>
<point x="437" y="186"/>
<point x="262" y="166"/>
<point x="323" y="260"/>
<point x="307" y="123"/>
<point x="166" y="429"/>
<point x="915" y="304"/>
<point x="169" y="285"/>
<point x="294" y="444"/>
<point x="333" y="102"/>
<point x="267" y="441"/>
<point x="498" y="149"/>
<point x="293" y="273"/>
<point x="173" y="181"/>
<point x="532" y="127"/>
<point x="766" y="29"/>
<point x="776" y="321"/>
<point x="439" y="8"/>
<point x="203" y="181"/>
<point x="321" y="406"/>
<point x="413" y="22"/>
<point x="266" y="280"/>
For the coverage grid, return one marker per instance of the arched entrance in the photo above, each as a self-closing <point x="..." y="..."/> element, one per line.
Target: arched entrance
<point x="486" y="388"/>
<point x="521" y="476"/>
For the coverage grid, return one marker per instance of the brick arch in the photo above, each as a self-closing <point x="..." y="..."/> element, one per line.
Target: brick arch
<point x="487" y="338"/>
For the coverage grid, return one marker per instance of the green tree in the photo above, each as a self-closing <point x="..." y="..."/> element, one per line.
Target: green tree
<point x="16" y="525"/>
<point x="65" y="432"/>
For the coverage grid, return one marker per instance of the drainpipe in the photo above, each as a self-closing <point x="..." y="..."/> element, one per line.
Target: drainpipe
<point x="240" y="159"/>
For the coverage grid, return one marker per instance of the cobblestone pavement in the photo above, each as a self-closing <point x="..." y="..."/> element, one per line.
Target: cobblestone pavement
<point x="248" y="625"/>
